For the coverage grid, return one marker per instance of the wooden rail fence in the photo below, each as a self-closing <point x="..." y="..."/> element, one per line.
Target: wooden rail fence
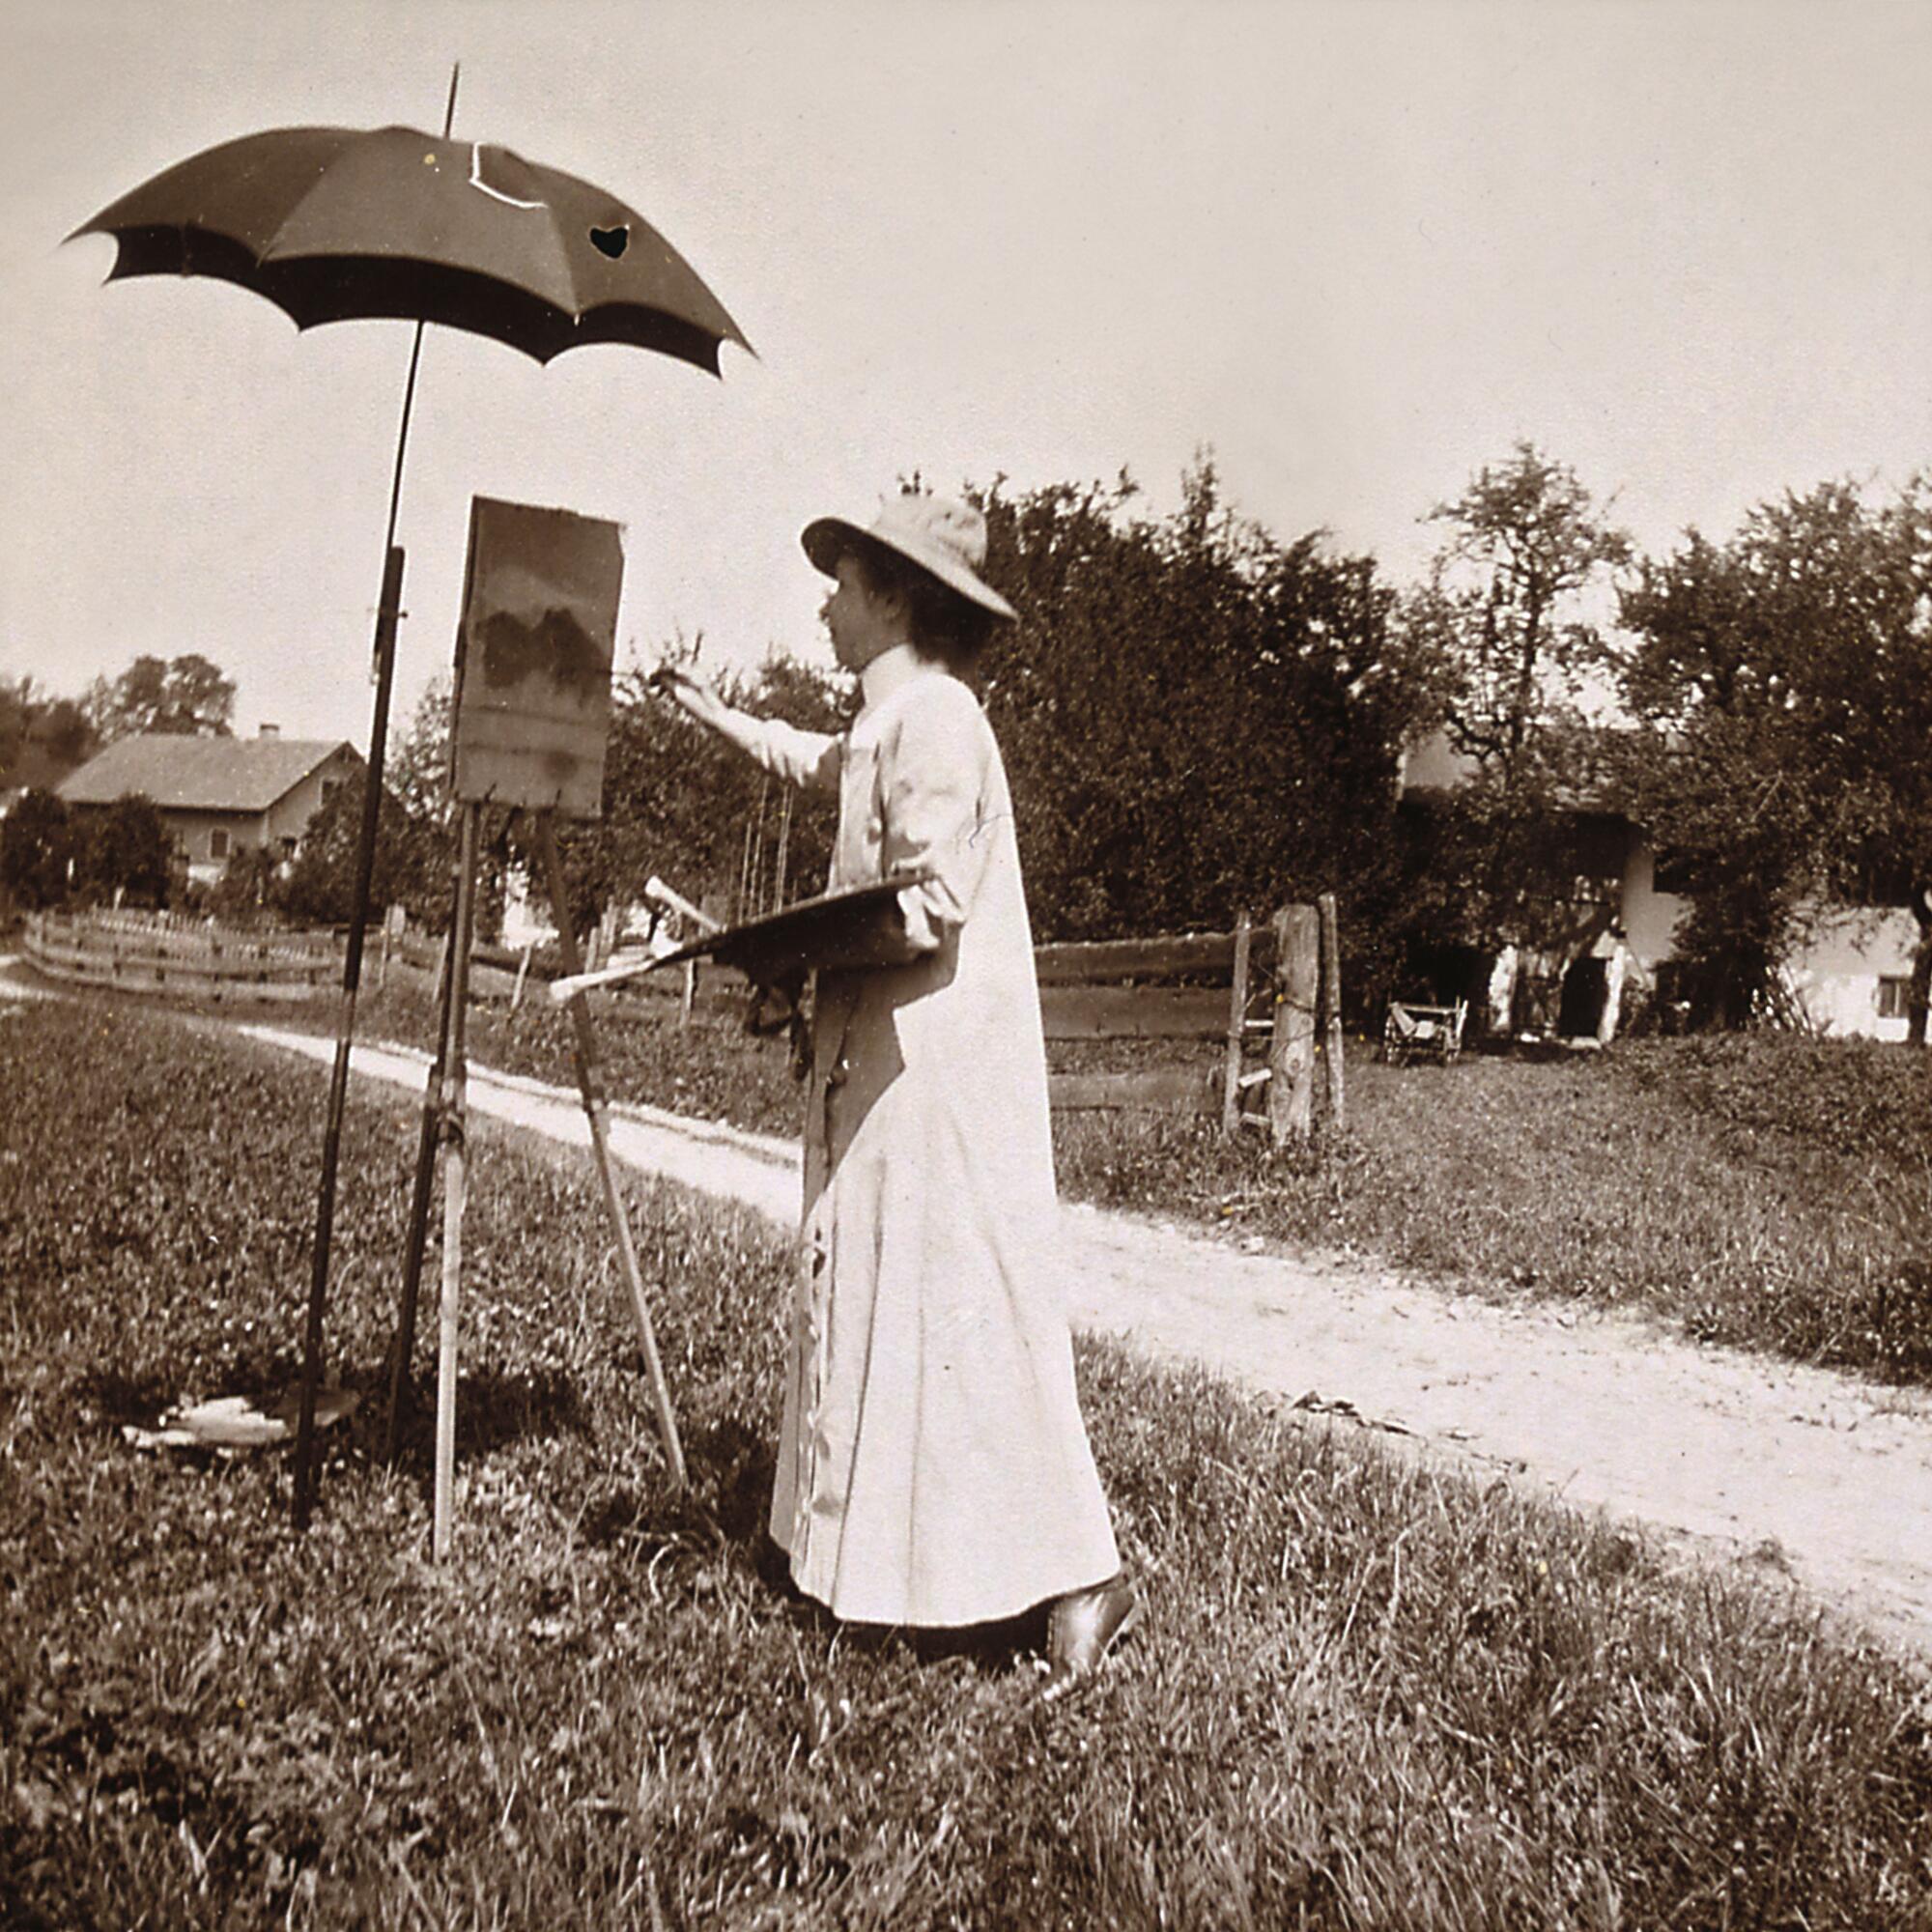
<point x="1268" y="995"/>
<point x="146" y="953"/>
<point x="1265" y="997"/>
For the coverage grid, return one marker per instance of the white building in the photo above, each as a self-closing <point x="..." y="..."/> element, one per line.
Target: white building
<point x="1851" y="976"/>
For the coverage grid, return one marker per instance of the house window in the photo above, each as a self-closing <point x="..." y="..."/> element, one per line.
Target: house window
<point x="217" y="843"/>
<point x="330" y="787"/>
<point x="1894" y="998"/>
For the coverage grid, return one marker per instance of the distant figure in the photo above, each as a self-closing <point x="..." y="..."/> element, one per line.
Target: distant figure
<point x="934" y="1470"/>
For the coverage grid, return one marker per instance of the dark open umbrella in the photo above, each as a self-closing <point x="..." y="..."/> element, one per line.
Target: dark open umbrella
<point x="334" y="224"/>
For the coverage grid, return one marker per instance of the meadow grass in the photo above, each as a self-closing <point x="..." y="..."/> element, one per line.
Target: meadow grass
<point x="1367" y="1694"/>
<point x="1759" y="1191"/>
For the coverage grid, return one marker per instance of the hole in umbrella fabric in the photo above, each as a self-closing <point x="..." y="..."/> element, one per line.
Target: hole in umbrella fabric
<point x="611" y="242"/>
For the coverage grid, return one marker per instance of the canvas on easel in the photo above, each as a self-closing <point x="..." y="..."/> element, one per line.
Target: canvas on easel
<point x="533" y="655"/>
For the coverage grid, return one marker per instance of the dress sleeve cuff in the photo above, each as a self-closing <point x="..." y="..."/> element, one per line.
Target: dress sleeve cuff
<point x="921" y="935"/>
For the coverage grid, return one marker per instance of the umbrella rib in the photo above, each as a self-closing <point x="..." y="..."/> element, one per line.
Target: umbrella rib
<point x="495" y="193"/>
<point x="573" y="313"/>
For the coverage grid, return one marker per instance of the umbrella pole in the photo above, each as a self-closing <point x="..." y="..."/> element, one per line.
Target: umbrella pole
<point x="388" y="612"/>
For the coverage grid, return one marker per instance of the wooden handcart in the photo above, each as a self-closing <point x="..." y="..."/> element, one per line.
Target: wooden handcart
<point x="1413" y="1031"/>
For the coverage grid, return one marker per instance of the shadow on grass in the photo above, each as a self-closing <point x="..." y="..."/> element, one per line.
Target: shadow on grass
<point x="732" y="1469"/>
<point x="493" y="1409"/>
<point x="122" y="1398"/>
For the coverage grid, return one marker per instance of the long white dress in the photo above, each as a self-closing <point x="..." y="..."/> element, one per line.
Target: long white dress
<point x="935" y="1469"/>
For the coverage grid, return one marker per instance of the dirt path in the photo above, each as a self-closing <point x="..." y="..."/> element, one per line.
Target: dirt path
<point x="1802" y="1470"/>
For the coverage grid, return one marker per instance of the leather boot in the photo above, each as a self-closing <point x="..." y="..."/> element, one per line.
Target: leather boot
<point x="1083" y="1627"/>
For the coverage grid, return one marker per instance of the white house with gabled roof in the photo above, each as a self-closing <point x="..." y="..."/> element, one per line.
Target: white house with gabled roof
<point x="219" y="796"/>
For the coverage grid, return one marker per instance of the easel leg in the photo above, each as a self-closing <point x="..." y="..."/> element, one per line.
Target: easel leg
<point x="585" y="1055"/>
<point x="403" y="1345"/>
<point x="455" y="1071"/>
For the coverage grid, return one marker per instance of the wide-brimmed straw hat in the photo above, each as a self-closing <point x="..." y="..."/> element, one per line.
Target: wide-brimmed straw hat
<point x="946" y="539"/>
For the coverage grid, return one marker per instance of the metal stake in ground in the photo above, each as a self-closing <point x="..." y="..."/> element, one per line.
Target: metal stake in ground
<point x="584" y="1052"/>
<point x="454" y="1122"/>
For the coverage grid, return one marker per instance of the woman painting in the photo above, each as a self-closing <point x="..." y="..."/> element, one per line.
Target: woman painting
<point x="934" y="1470"/>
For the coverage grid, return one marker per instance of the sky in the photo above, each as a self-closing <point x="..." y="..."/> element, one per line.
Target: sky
<point x="1356" y="248"/>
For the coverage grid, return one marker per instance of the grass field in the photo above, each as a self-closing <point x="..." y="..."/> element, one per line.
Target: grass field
<point x="1366" y="1696"/>
<point x="1761" y="1189"/>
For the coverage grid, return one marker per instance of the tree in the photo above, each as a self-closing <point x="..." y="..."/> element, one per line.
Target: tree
<point x="1502" y="601"/>
<point x="416" y="774"/>
<point x="680" y="803"/>
<point x="62" y="734"/>
<point x="247" y="888"/>
<point x="17" y="702"/>
<point x="37" y="850"/>
<point x="1783" y="682"/>
<point x="417" y="768"/>
<point x="42" y="738"/>
<point x="1502" y="622"/>
<point x="124" y="852"/>
<point x="1195" y="715"/>
<point x="411" y="864"/>
<point x="186" y="696"/>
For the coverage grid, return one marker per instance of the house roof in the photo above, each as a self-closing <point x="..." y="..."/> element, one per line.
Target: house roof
<point x="201" y="774"/>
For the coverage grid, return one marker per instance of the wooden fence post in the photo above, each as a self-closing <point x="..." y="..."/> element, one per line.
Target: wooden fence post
<point x="1238" y="1020"/>
<point x="1331" y="1010"/>
<point x="1297" y="950"/>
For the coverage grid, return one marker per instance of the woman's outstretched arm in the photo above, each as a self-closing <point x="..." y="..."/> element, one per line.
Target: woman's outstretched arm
<point x="807" y="759"/>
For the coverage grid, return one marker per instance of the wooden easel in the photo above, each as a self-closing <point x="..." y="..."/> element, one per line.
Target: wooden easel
<point x="444" y="1132"/>
<point x="528" y="730"/>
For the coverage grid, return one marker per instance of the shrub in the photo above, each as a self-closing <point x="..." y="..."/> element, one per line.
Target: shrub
<point x="126" y="851"/>
<point x="37" y="849"/>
